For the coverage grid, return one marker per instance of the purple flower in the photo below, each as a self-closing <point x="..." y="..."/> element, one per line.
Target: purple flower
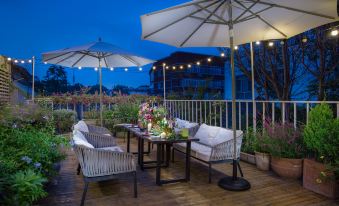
<point x="37" y="165"/>
<point x="26" y="159"/>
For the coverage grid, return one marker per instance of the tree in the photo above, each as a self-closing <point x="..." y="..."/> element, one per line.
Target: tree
<point x="95" y="89"/>
<point x="55" y="80"/>
<point x="121" y="89"/>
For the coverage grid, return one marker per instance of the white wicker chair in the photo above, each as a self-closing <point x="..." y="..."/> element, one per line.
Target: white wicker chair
<point x="98" y="164"/>
<point x="84" y="127"/>
<point x="212" y="154"/>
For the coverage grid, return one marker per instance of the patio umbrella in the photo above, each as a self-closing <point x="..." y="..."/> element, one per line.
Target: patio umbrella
<point x="226" y="23"/>
<point x="97" y="54"/>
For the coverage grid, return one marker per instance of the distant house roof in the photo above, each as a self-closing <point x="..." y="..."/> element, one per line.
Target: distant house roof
<point x="179" y="57"/>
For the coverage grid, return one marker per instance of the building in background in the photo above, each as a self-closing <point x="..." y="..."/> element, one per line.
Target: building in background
<point x="5" y="80"/>
<point x="204" y="81"/>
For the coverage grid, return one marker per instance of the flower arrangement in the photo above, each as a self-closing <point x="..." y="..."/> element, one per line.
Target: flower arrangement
<point x="145" y="114"/>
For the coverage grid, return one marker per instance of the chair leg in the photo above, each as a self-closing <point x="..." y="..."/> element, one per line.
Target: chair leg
<point x="135" y="185"/>
<point x="172" y="154"/>
<point x="78" y="169"/>
<point x="240" y="170"/>
<point x="209" y="173"/>
<point x="84" y="194"/>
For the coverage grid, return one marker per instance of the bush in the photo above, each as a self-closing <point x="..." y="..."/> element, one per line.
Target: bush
<point x="248" y="142"/>
<point x="64" y="120"/>
<point x="321" y="137"/>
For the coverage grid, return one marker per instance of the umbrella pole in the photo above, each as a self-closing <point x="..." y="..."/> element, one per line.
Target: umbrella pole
<point x="100" y="79"/>
<point x="233" y="183"/>
<point x="164" y="75"/>
<point x="253" y="94"/>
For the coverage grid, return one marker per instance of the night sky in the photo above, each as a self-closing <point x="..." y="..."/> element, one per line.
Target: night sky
<point x="32" y="27"/>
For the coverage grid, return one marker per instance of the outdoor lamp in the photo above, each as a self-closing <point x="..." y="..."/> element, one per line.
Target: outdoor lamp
<point x="174" y="67"/>
<point x="304" y="39"/>
<point x="270" y="44"/>
<point x="9" y="59"/>
<point x="334" y="32"/>
<point x="95" y="69"/>
<point x="257" y="42"/>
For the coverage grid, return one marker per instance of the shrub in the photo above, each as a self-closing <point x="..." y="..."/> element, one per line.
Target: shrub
<point x="249" y="141"/>
<point x="261" y="141"/>
<point x="64" y="119"/>
<point x="321" y="137"/>
<point x="283" y="140"/>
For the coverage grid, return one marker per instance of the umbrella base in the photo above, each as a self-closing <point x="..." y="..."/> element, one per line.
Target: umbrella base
<point x="234" y="184"/>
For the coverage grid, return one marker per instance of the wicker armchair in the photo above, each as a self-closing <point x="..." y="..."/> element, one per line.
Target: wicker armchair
<point x="98" y="130"/>
<point x="98" y="164"/>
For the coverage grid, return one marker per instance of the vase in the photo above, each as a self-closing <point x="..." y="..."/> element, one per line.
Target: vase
<point x="285" y="167"/>
<point x="311" y="172"/>
<point x="149" y="127"/>
<point x="262" y="160"/>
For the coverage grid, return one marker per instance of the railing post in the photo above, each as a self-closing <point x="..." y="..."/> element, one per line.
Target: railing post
<point x="210" y="111"/>
<point x="283" y="112"/>
<point x="337" y="110"/>
<point x="263" y="113"/>
<point x="295" y="115"/>
<point x="307" y="110"/>
<point x="247" y="116"/>
<point x="200" y="113"/>
<point x="226" y="103"/>
<point x="215" y="114"/>
<point x="205" y="120"/>
<point x="220" y="114"/>
<point x="196" y="111"/>
<point x="192" y="110"/>
<point x="273" y="112"/>
<point x="239" y="115"/>
<point x="254" y="116"/>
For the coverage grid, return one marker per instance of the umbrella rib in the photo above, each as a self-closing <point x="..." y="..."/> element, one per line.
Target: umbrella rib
<point x="77" y="61"/>
<point x="202" y="23"/>
<point x="263" y="20"/>
<point x="245" y="11"/>
<point x="130" y="59"/>
<point x="294" y="9"/>
<point x="210" y="21"/>
<point x="190" y="14"/>
<point x="57" y="56"/>
<point x="70" y="56"/>
<point x="105" y="61"/>
<point x="217" y="16"/>
<point x="177" y="7"/>
<point x="252" y="16"/>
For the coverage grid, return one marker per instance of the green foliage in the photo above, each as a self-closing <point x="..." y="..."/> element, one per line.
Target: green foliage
<point x="64" y="119"/>
<point x="26" y="187"/>
<point x="127" y="112"/>
<point x="260" y="141"/>
<point x="249" y="141"/>
<point x="321" y="136"/>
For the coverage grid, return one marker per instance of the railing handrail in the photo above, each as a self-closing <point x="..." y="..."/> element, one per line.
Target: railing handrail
<point x="258" y="101"/>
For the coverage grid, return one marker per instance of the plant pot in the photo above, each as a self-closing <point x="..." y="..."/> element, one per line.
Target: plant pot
<point x="246" y="157"/>
<point x="262" y="160"/>
<point x="285" y="167"/>
<point x="328" y="187"/>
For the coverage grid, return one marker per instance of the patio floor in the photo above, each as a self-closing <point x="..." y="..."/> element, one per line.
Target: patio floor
<point x="267" y="188"/>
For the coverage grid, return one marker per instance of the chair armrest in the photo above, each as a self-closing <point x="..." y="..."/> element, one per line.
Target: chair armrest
<point x="193" y="130"/>
<point x="98" y="130"/>
<point x="224" y="150"/>
<point x="98" y="162"/>
<point x="98" y="140"/>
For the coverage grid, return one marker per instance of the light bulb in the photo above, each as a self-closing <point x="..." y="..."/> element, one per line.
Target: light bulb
<point x="126" y="69"/>
<point x="96" y="69"/>
<point x="45" y="62"/>
<point x="112" y="69"/>
<point x="174" y="67"/>
<point x="79" y="68"/>
<point x="270" y="44"/>
<point x="167" y="67"/>
<point x="30" y="61"/>
<point x="198" y="63"/>
<point x="22" y="61"/>
<point x="222" y="54"/>
<point x="257" y="42"/>
<point x="154" y="67"/>
<point x="9" y="59"/>
<point x="209" y="59"/>
<point x="189" y="66"/>
<point x="16" y="61"/>
<point x="140" y="68"/>
<point x="163" y="64"/>
<point x="334" y="32"/>
<point x="181" y="67"/>
<point x="235" y="47"/>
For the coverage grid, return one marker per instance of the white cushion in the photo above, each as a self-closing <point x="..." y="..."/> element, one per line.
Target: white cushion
<point x="180" y="124"/>
<point x="81" y="126"/>
<point x="79" y="139"/>
<point x="205" y="133"/>
<point x="199" y="151"/>
<point x="114" y="149"/>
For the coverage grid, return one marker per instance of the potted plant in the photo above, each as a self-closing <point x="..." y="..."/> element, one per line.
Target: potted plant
<point x="285" y="146"/>
<point x="262" y="157"/>
<point x="247" y="149"/>
<point x="321" y="137"/>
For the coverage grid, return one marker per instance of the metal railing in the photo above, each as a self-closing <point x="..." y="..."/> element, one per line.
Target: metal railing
<point x="249" y="114"/>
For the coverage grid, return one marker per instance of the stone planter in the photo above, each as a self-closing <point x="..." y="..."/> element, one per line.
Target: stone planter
<point x="289" y="168"/>
<point x="246" y="157"/>
<point x="328" y="187"/>
<point x="262" y="160"/>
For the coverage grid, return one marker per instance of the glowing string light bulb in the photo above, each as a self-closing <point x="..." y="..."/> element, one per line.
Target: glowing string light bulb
<point x="126" y="69"/>
<point x="209" y="59"/>
<point x="198" y="63"/>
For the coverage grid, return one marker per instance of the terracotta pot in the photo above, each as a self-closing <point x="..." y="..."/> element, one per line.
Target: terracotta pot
<point x="284" y="167"/>
<point x="328" y="187"/>
<point x="262" y="160"/>
<point x="246" y="157"/>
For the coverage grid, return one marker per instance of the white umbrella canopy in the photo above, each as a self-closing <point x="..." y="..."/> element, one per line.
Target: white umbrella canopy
<point x="204" y="23"/>
<point x="225" y="23"/>
<point x="97" y="54"/>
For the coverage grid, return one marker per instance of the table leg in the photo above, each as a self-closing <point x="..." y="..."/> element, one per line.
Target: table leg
<point x="158" y="168"/>
<point x="168" y="154"/>
<point x="141" y="153"/>
<point x="139" y="158"/>
<point x="128" y="140"/>
<point x="188" y="161"/>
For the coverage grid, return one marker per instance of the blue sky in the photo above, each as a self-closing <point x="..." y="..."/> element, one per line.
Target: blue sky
<point x="31" y="27"/>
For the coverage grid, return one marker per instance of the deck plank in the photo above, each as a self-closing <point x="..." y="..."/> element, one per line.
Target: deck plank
<point x="267" y="188"/>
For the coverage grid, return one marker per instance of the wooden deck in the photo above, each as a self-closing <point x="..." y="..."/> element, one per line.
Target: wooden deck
<point x="267" y="189"/>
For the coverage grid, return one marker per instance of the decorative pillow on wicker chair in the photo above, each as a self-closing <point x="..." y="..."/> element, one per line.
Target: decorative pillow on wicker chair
<point x="81" y="126"/>
<point x="206" y="134"/>
<point x="80" y="139"/>
<point x="114" y="149"/>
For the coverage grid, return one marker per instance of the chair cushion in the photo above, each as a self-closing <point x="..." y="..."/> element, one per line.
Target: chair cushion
<point x="181" y="124"/>
<point x="206" y="133"/>
<point x="80" y="139"/>
<point x="114" y="149"/>
<point x="81" y="126"/>
<point x="199" y="151"/>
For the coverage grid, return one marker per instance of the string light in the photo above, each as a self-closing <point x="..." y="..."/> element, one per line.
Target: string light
<point x="257" y="42"/>
<point x="45" y="62"/>
<point x="95" y="69"/>
<point x="22" y="61"/>
<point x="163" y="64"/>
<point x="140" y="68"/>
<point x="112" y="69"/>
<point x="79" y="68"/>
<point x="198" y="63"/>
<point x="235" y="47"/>
<point x="304" y="39"/>
<point x="154" y="67"/>
<point x="9" y="59"/>
<point x="29" y="61"/>
<point x="181" y="67"/>
<point x="16" y="61"/>
<point x="270" y="44"/>
<point x="167" y="67"/>
<point x="189" y="66"/>
<point x="209" y="59"/>
<point x="282" y="42"/>
<point x="334" y="32"/>
<point x="126" y="69"/>
<point x="222" y="54"/>
<point x="174" y="67"/>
